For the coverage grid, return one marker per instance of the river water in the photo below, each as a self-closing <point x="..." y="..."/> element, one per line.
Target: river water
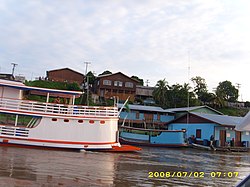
<point x="151" y="167"/>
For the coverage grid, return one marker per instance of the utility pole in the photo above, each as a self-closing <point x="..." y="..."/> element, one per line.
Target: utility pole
<point x="147" y="81"/>
<point x="86" y="68"/>
<point x="86" y="79"/>
<point x="13" y="68"/>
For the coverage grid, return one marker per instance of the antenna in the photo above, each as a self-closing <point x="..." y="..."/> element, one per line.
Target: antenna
<point x="147" y="82"/>
<point x="238" y="85"/>
<point x="188" y="102"/>
<point x="188" y="74"/>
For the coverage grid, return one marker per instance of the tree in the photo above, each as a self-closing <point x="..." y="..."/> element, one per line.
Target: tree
<point x="138" y="79"/>
<point x="226" y="91"/>
<point x="160" y="93"/>
<point x="107" y="72"/>
<point x="178" y="96"/>
<point x="200" y="88"/>
<point x="91" y="77"/>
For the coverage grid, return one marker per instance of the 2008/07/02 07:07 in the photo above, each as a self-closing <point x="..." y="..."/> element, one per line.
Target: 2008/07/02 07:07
<point x="197" y="174"/>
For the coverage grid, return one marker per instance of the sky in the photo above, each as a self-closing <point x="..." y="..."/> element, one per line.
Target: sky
<point x="151" y="39"/>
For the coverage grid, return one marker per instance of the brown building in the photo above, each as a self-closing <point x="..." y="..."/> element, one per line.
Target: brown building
<point x="145" y="93"/>
<point x="116" y="84"/>
<point x="65" y="75"/>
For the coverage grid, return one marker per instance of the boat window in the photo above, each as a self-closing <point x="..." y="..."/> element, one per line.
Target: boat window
<point x="80" y="121"/>
<point x="102" y="122"/>
<point x="66" y="120"/>
<point x="54" y="119"/>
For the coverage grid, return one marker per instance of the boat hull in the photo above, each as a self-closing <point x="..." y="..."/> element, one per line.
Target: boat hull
<point x="140" y="143"/>
<point x="152" y="137"/>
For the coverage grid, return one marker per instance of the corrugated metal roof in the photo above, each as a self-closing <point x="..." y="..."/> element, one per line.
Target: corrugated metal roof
<point x="186" y="109"/>
<point x="220" y="119"/>
<point x="145" y="108"/>
<point x="245" y="123"/>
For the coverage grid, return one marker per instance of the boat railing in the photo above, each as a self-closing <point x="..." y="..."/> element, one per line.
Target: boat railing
<point x="16" y="105"/>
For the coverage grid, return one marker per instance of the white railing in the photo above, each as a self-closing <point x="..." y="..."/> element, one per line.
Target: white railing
<point x="56" y="109"/>
<point x="14" y="131"/>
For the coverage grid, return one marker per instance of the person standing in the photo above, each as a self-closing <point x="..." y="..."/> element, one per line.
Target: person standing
<point x="212" y="141"/>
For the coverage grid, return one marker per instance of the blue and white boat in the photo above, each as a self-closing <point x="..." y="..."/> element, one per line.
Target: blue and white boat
<point x="153" y="137"/>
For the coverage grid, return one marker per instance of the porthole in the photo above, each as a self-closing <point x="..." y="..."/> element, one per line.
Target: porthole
<point x="54" y="119"/>
<point x="102" y="122"/>
<point x="80" y="121"/>
<point x="91" y="121"/>
<point x="66" y="120"/>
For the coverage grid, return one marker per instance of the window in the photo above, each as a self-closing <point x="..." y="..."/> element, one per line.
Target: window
<point x="129" y="84"/>
<point x="107" y="82"/>
<point x="198" y="133"/>
<point x="118" y="83"/>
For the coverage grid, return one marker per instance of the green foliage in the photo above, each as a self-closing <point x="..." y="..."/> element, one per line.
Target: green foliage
<point x="91" y="77"/>
<point x="53" y="85"/>
<point x="179" y="95"/>
<point x="227" y="91"/>
<point x="107" y="72"/>
<point x="160" y="93"/>
<point x="141" y="82"/>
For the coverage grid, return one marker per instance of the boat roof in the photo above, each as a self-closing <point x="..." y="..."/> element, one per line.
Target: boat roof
<point x="145" y="108"/>
<point x="21" y="86"/>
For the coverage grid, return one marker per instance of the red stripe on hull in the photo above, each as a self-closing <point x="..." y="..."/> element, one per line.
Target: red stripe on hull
<point x="36" y="147"/>
<point x="57" y="141"/>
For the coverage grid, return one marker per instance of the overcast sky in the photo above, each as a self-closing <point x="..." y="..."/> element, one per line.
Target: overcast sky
<point x="152" y="39"/>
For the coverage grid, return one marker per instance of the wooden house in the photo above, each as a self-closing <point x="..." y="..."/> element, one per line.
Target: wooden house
<point x="118" y="85"/>
<point x="65" y="75"/>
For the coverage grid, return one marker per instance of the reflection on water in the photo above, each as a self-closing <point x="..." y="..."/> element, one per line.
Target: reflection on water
<point x="30" y="167"/>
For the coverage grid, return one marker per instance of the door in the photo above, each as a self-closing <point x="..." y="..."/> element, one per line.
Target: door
<point x="222" y="137"/>
<point x="237" y="138"/>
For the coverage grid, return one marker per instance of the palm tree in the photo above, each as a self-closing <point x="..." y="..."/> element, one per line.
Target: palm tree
<point x="160" y="93"/>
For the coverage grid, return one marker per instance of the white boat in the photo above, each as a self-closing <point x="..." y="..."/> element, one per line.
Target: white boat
<point x="28" y="123"/>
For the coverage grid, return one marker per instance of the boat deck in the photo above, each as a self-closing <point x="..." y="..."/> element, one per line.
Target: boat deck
<point x="16" y="106"/>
